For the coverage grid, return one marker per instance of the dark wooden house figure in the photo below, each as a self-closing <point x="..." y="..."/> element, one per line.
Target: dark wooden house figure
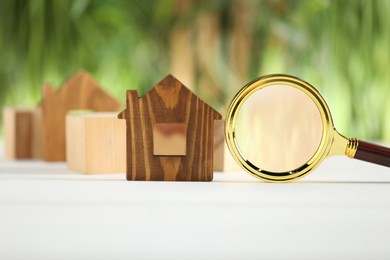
<point x="170" y="134"/>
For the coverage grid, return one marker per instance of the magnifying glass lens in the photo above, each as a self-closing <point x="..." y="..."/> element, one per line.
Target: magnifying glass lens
<point x="278" y="128"/>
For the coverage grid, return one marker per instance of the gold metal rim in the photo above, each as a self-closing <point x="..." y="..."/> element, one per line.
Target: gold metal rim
<point x="350" y="151"/>
<point x="328" y="133"/>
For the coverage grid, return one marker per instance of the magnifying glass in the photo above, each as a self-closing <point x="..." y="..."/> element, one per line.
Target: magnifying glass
<point x="279" y="129"/>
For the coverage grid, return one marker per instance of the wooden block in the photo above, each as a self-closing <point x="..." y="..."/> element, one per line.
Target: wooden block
<point x="223" y="160"/>
<point x="80" y="91"/>
<point x="219" y="145"/>
<point x="230" y="165"/>
<point x="22" y="132"/>
<point x="95" y="142"/>
<point x="169" y="103"/>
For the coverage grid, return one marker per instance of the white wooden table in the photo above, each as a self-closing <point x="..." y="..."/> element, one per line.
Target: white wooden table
<point x="340" y="211"/>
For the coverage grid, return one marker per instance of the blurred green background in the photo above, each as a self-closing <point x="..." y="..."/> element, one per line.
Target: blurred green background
<point x="214" y="47"/>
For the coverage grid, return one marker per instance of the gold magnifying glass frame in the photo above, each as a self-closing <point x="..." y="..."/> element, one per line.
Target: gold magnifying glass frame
<point x="332" y="143"/>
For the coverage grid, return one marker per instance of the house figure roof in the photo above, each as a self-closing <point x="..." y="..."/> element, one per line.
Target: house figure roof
<point x="168" y="89"/>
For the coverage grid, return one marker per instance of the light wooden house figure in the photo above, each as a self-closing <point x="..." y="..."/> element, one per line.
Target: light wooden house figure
<point x="169" y="134"/>
<point x="80" y="91"/>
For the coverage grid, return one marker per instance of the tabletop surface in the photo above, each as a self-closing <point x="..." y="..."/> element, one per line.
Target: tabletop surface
<point x="340" y="211"/>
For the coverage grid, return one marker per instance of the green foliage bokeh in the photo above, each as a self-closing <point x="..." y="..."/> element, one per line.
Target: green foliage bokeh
<point x="341" y="47"/>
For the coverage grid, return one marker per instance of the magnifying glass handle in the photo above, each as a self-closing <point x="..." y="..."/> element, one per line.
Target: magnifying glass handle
<point x="373" y="153"/>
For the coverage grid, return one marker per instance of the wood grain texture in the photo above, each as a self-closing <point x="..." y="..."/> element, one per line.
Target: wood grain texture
<point x="373" y="153"/>
<point x="169" y="102"/>
<point x="95" y="142"/>
<point x="80" y="91"/>
<point x="22" y="132"/>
